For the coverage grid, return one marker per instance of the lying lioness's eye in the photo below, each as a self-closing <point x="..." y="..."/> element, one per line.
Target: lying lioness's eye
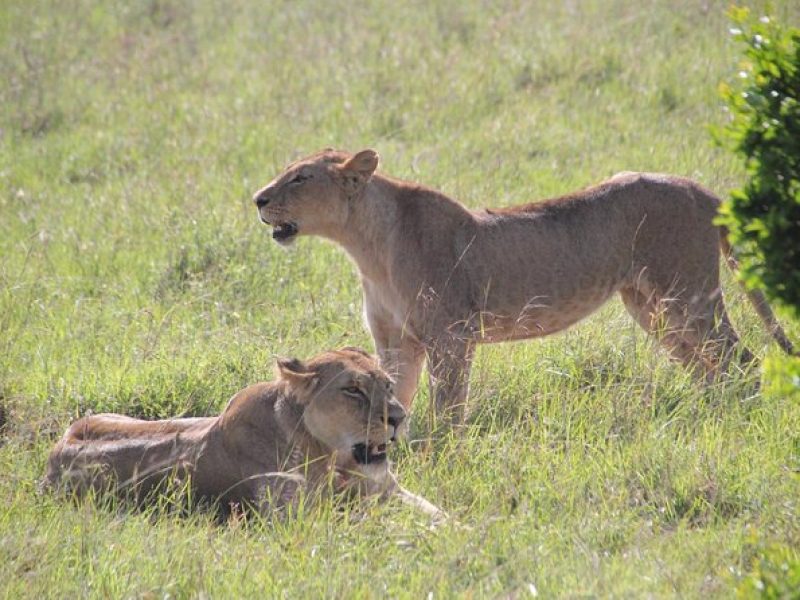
<point x="352" y="390"/>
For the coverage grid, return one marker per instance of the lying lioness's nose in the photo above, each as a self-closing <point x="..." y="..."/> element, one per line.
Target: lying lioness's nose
<point x="396" y="414"/>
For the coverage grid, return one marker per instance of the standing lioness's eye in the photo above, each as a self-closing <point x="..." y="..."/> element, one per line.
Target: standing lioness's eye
<point x="299" y="178"/>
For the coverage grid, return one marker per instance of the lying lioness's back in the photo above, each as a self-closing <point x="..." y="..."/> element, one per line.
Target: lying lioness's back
<point x="324" y="424"/>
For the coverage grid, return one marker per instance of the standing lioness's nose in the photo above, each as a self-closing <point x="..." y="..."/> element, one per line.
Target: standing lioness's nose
<point x="261" y="198"/>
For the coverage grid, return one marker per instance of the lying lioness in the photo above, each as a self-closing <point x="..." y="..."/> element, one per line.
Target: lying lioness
<point x="438" y="278"/>
<point x="323" y="424"/>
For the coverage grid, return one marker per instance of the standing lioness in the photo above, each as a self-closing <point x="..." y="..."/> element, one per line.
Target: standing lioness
<point x="438" y="278"/>
<point x="324" y="423"/>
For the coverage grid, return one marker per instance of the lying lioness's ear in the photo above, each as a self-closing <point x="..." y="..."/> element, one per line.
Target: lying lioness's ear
<point x="364" y="163"/>
<point x="294" y="371"/>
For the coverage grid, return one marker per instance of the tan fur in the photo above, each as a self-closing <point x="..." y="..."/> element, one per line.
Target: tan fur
<point x="271" y="439"/>
<point x="439" y="278"/>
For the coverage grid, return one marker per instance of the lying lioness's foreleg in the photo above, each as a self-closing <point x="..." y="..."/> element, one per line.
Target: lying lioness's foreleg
<point x="414" y="500"/>
<point x="421" y="504"/>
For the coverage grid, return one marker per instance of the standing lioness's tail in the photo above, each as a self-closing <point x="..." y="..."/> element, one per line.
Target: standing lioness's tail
<point x="756" y="297"/>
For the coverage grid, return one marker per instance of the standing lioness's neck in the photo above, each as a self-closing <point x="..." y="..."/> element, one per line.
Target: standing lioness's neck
<point x="365" y="234"/>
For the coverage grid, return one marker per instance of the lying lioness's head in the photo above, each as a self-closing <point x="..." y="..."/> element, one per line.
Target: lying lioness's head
<point x="349" y="405"/>
<point x="312" y="195"/>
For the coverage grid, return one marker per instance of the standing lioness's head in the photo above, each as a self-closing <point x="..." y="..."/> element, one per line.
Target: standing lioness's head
<point x="348" y="405"/>
<point x="312" y="195"/>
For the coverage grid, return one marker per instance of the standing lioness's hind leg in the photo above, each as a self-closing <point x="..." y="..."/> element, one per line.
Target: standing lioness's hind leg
<point x="699" y="334"/>
<point x="728" y="343"/>
<point x="650" y="314"/>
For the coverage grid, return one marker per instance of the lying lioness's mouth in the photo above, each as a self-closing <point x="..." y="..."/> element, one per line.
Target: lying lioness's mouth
<point x="284" y="231"/>
<point x="365" y="454"/>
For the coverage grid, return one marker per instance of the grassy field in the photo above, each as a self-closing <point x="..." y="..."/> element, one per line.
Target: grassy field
<point x="135" y="277"/>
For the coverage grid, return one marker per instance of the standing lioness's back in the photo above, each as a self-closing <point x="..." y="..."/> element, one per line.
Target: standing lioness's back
<point x="439" y="278"/>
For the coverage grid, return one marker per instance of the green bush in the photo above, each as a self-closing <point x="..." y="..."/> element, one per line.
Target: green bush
<point x="775" y="574"/>
<point x="764" y="102"/>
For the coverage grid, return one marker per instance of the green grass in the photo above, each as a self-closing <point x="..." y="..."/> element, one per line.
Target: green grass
<point x="135" y="277"/>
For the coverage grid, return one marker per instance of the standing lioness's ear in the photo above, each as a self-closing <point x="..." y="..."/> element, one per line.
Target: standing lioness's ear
<point x="364" y="163"/>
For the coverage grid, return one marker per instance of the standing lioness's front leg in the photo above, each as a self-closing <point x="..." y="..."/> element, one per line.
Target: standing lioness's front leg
<point x="401" y="356"/>
<point x="449" y="364"/>
<point x="404" y="362"/>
